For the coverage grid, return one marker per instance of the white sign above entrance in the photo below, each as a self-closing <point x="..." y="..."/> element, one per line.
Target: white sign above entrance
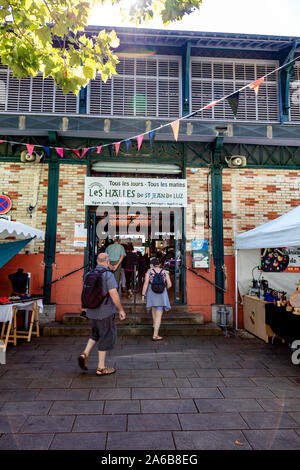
<point x="151" y="192"/>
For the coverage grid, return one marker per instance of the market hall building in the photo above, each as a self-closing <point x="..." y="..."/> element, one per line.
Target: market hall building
<point x="162" y="76"/>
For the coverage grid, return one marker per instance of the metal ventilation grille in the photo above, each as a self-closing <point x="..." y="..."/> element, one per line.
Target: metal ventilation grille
<point x="143" y="87"/>
<point x="295" y="94"/>
<point x="33" y="95"/>
<point x="213" y="79"/>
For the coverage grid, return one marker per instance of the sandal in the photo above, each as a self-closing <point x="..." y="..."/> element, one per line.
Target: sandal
<point x="105" y="371"/>
<point x="83" y="361"/>
<point x="157" y="338"/>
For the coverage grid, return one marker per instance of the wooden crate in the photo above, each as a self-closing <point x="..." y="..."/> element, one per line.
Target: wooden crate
<point x="255" y="317"/>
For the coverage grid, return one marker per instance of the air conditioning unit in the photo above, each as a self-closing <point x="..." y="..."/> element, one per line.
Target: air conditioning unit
<point x="33" y="158"/>
<point x="236" y="161"/>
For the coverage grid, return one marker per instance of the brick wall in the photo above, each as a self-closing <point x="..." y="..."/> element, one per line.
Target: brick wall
<point x="250" y="198"/>
<point x="26" y="184"/>
<point x="71" y="207"/>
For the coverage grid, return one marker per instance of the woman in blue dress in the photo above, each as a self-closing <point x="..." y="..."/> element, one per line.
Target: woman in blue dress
<point x="154" y="301"/>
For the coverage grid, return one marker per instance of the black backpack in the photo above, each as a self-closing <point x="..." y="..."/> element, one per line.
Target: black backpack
<point x="92" y="295"/>
<point x="158" y="284"/>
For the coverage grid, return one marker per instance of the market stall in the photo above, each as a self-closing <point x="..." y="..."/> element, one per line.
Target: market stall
<point x="262" y="253"/>
<point x="20" y="299"/>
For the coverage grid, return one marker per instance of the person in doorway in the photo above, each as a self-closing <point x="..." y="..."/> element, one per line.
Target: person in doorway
<point x="157" y="302"/>
<point x="103" y="320"/>
<point x="116" y="254"/>
<point x="142" y="269"/>
<point x="129" y="262"/>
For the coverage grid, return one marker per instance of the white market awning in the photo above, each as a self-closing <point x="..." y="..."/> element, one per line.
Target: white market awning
<point x="280" y="232"/>
<point x="19" y="231"/>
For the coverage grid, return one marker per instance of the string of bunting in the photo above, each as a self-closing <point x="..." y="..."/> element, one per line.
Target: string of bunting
<point x="232" y="99"/>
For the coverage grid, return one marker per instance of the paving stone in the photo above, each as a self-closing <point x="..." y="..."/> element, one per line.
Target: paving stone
<point x="153" y="422"/>
<point x="94" y="382"/>
<point x="208" y="373"/>
<point x="245" y="372"/>
<point x="296" y="416"/>
<point x="168" y="406"/>
<point x="77" y="408"/>
<point x="19" y="395"/>
<point x="79" y="441"/>
<point x="276" y="439"/>
<point x="206" y="382"/>
<point x="63" y="394"/>
<point x="11" y="424"/>
<point x="150" y="373"/>
<point x="14" y="384"/>
<point x="44" y="424"/>
<point x="284" y="371"/>
<point x="118" y="407"/>
<point x="50" y="383"/>
<point x="268" y="420"/>
<point x="210" y="440"/>
<point x="155" y="393"/>
<point x="140" y="441"/>
<point x="25" y="441"/>
<point x="99" y="423"/>
<point x="227" y="405"/>
<point x="246" y="392"/>
<point x="238" y="382"/>
<point x="27" y="373"/>
<point x="185" y="373"/>
<point x="26" y="408"/>
<point x="110" y="394"/>
<point x="273" y="381"/>
<point x="280" y="404"/>
<point x="285" y="392"/>
<point x="140" y="382"/>
<point x="211" y="421"/>
<point x="178" y="382"/>
<point x="199" y="392"/>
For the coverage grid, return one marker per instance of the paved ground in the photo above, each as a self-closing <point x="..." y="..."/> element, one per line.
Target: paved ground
<point x="183" y="393"/>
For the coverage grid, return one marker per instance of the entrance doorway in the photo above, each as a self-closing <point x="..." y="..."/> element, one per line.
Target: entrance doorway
<point x="153" y="232"/>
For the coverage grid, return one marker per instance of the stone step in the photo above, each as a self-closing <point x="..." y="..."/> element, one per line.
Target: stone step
<point x="143" y="318"/>
<point x="207" y="329"/>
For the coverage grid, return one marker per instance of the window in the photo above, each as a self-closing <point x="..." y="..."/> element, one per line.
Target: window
<point x="212" y="79"/>
<point x="148" y="87"/>
<point x="295" y="94"/>
<point x="33" y="95"/>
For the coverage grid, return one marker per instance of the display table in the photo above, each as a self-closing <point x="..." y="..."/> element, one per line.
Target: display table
<point x="284" y="323"/>
<point x="255" y="317"/>
<point x="8" y="316"/>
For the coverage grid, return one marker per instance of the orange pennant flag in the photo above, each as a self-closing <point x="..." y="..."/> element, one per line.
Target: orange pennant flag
<point x="255" y="85"/>
<point x="210" y="105"/>
<point x="175" y="128"/>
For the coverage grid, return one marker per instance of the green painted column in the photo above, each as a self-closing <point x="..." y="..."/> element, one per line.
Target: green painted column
<point x="217" y="219"/>
<point x="51" y="221"/>
<point x="186" y="58"/>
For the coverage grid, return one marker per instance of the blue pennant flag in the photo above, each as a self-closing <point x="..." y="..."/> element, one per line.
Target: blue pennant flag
<point x="151" y="137"/>
<point x="47" y="150"/>
<point x="128" y="144"/>
<point x="110" y="150"/>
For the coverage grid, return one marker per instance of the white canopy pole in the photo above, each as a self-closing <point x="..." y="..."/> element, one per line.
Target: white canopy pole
<point x="236" y="289"/>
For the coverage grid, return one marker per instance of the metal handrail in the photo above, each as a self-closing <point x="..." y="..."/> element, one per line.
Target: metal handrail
<point x="202" y="277"/>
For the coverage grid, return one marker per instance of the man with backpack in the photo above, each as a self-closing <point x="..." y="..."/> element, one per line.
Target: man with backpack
<point x="101" y="300"/>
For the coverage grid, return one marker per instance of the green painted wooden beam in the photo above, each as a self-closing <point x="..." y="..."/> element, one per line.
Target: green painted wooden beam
<point x="51" y="221"/>
<point x="217" y="219"/>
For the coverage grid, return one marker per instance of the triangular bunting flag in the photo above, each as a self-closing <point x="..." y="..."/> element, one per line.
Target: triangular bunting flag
<point x="211" y="105"/>
<point x="117" y="146"/>
<point x="60" y="151"/>
<point x="151" y="137"/>
<point x="77" y="152"/>
<point x="30" y="148"/>
<point x="175" y="127"/>
<point x="140" y="140"/>
<point x="84" y="152"/>
<point x="47" y="150"/>
<point x="99" y="148"/>
<point x="1" y="141"/>
<point x="233" y="102"/>
<point x="255" y="85"/>
<point x="128" y="144"/>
